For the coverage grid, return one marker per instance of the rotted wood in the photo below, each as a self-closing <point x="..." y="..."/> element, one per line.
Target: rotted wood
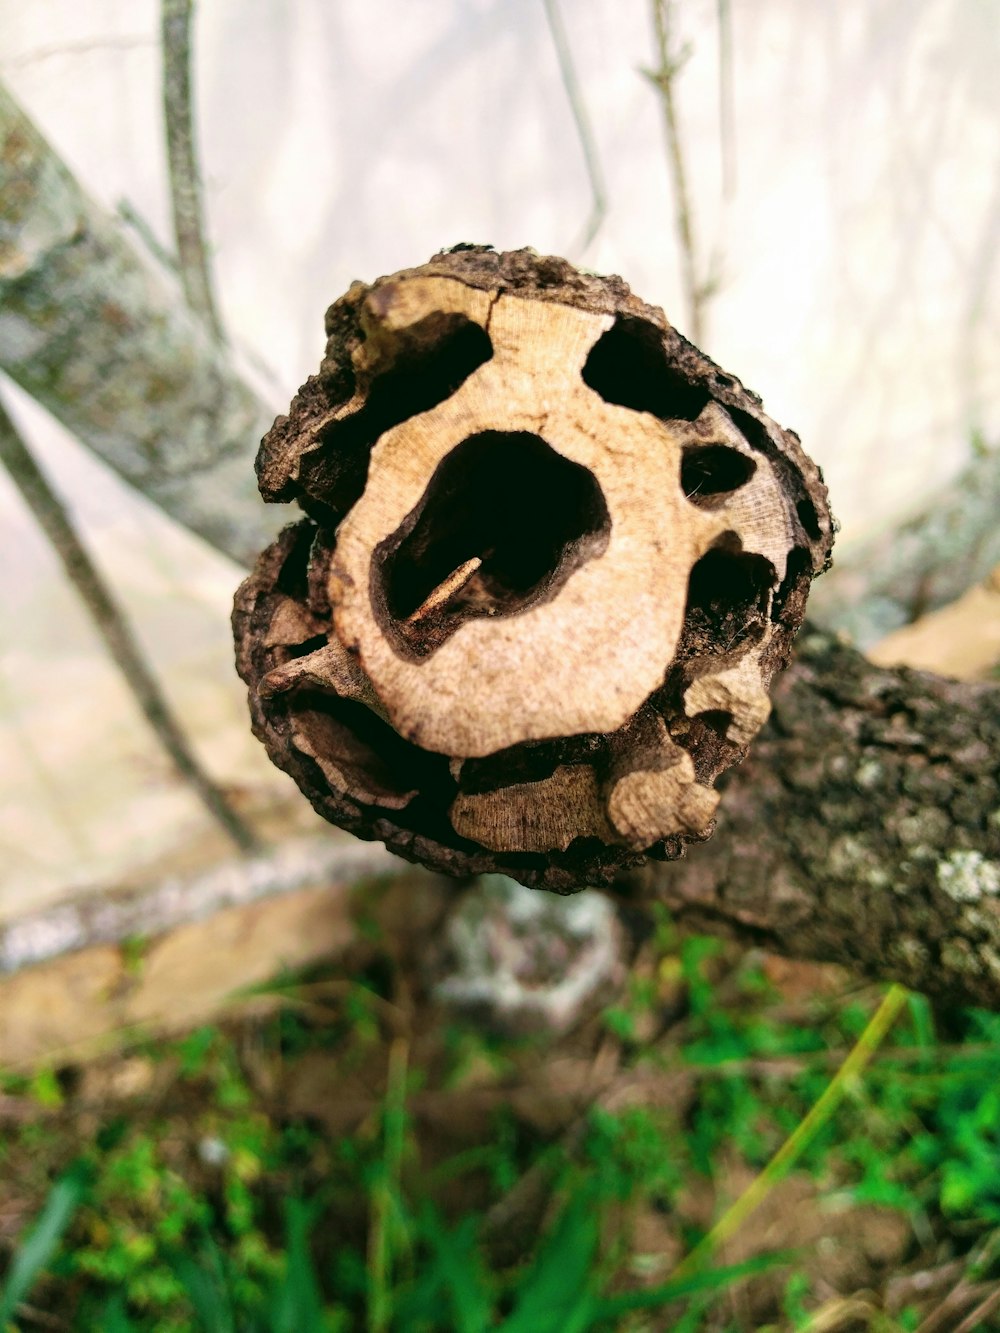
<point x="552" y="559"/>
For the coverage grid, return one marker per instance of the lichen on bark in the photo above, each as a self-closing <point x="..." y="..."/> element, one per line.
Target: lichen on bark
<point x="861" y="828"/>
<point x="93" y="333"/>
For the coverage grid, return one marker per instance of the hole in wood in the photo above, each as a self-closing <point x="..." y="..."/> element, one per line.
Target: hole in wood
<point x="503" y="523"/>
<point x="293" y="576"/>
<point x="374" y="764"/>
<point x="711" y="471"/>
<point x="432" y="359"/>
<point x="806" y="511"/>
<point x="628" y="366"/>
<point x="728" y="599"/>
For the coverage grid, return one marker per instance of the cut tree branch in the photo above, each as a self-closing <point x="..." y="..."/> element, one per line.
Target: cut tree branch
<point x="864" y="828"/>
<point x="182" y="162"/>
<point x="114" y="629"/>
<point x="153" y="378"/>
<point x="99" y="339"/>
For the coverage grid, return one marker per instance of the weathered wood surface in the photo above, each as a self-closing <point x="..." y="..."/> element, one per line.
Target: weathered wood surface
<point x="555" y="558"/>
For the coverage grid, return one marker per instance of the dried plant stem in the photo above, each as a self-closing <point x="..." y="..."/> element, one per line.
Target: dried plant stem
<point x="978" y="1317"/>
<point x="696" y="290"/>
<point x="182" y="159"/>
<point x="805" y="1131"/>
<point x="598" y="192"/>
<point x="111" y="624"/>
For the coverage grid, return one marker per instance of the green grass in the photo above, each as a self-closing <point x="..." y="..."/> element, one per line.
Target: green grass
<point x="210" y="1206"/>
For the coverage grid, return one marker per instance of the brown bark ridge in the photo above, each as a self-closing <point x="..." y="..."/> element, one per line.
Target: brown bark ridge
<point x="552" y="559"/>
<point x="863" y="828"/>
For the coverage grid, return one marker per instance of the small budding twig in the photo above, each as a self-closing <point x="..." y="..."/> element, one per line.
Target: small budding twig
<point x="697" y="291"/>
<point x="727" y="113"/>
<point x="110" y="623"/>
<point x="182" y="158"/>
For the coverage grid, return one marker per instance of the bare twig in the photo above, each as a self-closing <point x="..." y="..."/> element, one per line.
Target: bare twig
<point x="727" y="115"/>
<point x="978" y="1317"/>
<point x="80" y="48"/>
<point x="958" y="1300"/>
<point x="598" y="192"/>
<point x="113" y="627"/>
<point x="41" y="1318"/>
<point x="696" y="290"/>
<point x="121" y="911"/>
<point x="182" y="159"/>
<point x="134" y="219"/>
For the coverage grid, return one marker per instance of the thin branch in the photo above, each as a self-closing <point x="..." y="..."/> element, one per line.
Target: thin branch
<point x="727" y="114"/>
<point x="978" y="1317"/>
<point x="696" y="290"/>
<point x="182" y="160"/>
<point x="134" y="219"/>
<point x="119" y="912"/>
<point x="100" y="46"/>
<point x="109" y="621"/>
<point x="598" y="192"/>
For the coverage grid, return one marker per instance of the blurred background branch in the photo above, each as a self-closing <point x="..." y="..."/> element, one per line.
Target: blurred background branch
<point x="581" y="119"/>
<point x="114" y="629"/>
<point x="176" y="21"/>
<point x="96" y="337"/>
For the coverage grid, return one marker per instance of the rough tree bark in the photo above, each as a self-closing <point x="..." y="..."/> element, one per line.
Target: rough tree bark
<point x="864" y="828"/>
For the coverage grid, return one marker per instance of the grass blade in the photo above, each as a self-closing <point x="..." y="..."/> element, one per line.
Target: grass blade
<point x="714" y="1279"/>
<point x="298" y="1303"/>
<point x="42" y="1240"/>
<point x="805" y="1131"/>
<point x="556" y="1293"/>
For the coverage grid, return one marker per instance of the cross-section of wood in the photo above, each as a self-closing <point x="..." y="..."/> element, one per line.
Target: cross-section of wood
<point x="552" y="558"/>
